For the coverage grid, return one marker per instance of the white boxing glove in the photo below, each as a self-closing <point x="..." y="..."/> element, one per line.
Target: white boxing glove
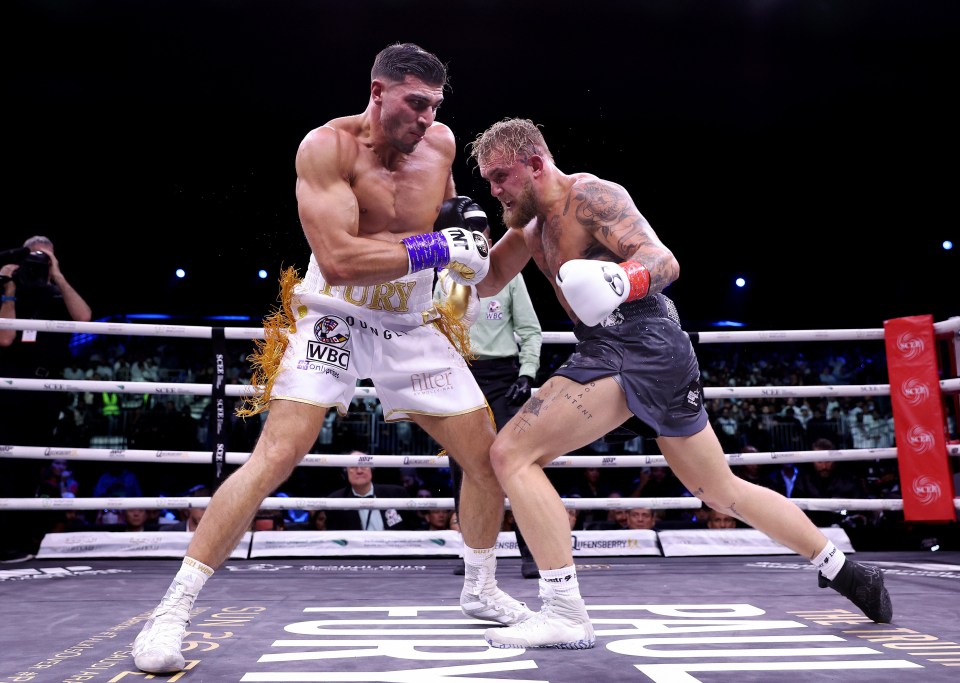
<point x="469" y="255"/>
<point x="464" y="252"/>
<point x="462" y="300"/>
<point x="594" y="289"/>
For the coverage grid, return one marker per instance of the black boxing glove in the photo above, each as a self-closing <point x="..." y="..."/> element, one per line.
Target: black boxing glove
<point x="519" y="391"/>
<point x="461" y="212"/>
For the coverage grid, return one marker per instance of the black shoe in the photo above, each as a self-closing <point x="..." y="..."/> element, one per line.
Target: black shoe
<point x="529" y="569"/>
<point x="862" y="584"/>
<point x="459" y="569"/>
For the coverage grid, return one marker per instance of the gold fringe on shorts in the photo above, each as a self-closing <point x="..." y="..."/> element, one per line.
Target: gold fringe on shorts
<point x="265" y="360"/>
<point x="453" y="328"/>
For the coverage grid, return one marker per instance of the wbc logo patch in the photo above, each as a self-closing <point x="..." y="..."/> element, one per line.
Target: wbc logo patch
<point x="332" y="335"/>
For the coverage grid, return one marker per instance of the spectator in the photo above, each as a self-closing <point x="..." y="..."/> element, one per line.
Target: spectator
<point x="74" y="520"/>
<point x="40" y="523"/>
<point x="642" y="518"/>
<point x="268" y="520"/>
<point x="110" y="520"/>
<point x="436" y="520"/>
<point x="73" y="370"/>
<point x="360" y="485"/>
<point x="574" y="515"/>
<point x="661" y="482"/>
<point x="32" y="286"/>
<point x="100" y="368"/>
<point x="137" y="519"/>
<point x="117" y="482"/>
<point x="755" y="473"/>
<point x="719" y="520"/>
<point x="190" y="517"/>
<point x="409" y="479"/>
<point x="784" y="479"/>
<point x="58" y="474"/>
<point x="728" y="430"/>
<point x="35" y="288"/>
<point x="318" y="520"/>
<point x="616" y="518"/>
<point x="591" y="484"/>
<point x="829" y="479"/>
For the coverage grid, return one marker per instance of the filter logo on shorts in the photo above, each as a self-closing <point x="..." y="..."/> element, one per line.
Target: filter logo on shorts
<point x="332" y="334"/>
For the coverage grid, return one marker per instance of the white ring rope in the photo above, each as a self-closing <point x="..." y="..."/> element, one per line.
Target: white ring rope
<point x="238" y="390"/>
<point x="295" y="503"/>
<point x="439" y="461"/>
<point x="302" y="503"/>
<point x="949" y="327"/>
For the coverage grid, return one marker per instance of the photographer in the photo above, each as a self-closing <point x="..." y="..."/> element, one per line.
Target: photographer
<point x="32" y="287"/>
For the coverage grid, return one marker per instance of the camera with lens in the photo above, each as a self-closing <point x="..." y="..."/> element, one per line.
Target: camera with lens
<point x="34" y="270"/>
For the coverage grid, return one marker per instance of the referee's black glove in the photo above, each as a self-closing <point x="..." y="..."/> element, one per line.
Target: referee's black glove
<point x="519" y="391"/>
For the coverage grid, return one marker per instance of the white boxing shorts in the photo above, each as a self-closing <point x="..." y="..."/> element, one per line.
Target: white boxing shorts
<point x="379" y="332"/>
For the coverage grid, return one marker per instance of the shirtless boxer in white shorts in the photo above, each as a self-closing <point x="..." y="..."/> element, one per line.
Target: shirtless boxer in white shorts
<point x="369" y="188"/>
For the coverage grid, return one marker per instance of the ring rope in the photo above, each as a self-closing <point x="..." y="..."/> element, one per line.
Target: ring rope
<point x="439" y="461"/>
<point x="240" y="390"/>
<point x="950" y="326"/>
<point x="294" y="503"/>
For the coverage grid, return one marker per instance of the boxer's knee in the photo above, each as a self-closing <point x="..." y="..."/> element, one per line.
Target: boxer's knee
<point x="473" y="456"/>
<point x="506" y="458"/>
<point x="274" y="460"/>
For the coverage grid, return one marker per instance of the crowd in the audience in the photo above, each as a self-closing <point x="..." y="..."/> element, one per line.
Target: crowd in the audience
<point x="172" y="421"/>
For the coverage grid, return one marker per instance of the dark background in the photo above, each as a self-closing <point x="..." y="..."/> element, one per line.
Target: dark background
<point x="809" y="145"/>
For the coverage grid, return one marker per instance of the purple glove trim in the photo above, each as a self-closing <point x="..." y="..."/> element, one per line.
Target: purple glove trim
<point x="428" y="250"/>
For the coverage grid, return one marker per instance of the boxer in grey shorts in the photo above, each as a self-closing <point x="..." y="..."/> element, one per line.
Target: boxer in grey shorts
<point x="633" y="364"/>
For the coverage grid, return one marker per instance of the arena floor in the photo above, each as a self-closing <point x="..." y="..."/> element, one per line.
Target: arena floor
<point x="671" y="620"/>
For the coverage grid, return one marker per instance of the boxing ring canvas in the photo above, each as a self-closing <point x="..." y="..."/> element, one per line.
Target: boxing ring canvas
<point x="664" y="619"/>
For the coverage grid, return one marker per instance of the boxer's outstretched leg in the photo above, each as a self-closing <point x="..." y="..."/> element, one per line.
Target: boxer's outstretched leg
<point x="289" y="431"/>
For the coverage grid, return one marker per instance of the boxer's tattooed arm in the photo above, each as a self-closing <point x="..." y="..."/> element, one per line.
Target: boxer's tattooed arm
<point x="620" y="231"/>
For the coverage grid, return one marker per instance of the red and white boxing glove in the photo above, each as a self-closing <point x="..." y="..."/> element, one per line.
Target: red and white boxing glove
<point x="594" y="289"/>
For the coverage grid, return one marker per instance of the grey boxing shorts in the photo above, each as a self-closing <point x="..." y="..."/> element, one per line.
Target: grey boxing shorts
<point x="642" y="345"/>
